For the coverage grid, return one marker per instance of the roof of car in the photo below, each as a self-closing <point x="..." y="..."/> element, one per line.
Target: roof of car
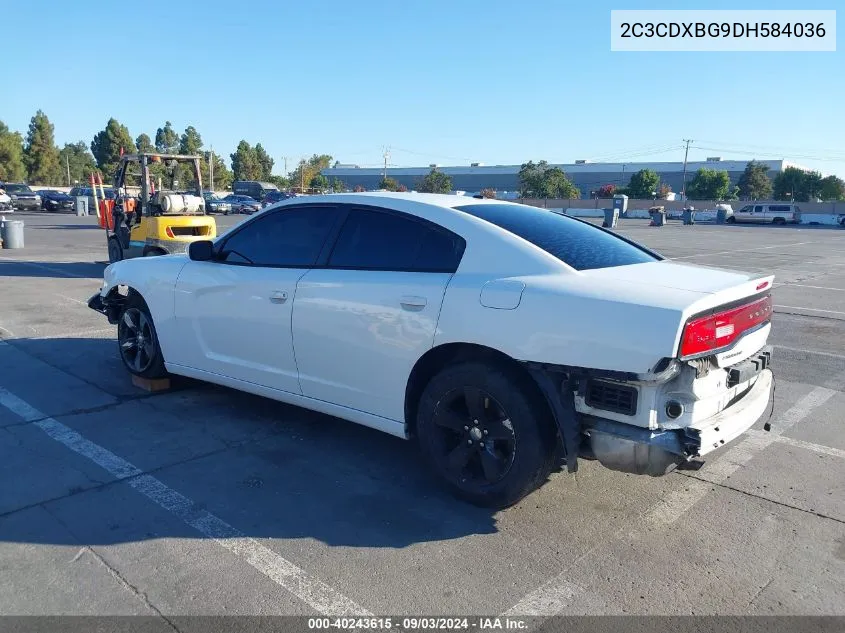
<point x="439" y="199"/>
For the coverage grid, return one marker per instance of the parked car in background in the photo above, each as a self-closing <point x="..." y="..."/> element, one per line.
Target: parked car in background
<point x="87" y="191"/>
<point x="215" y="204"/>
<point x="499" y="336"/>
<point x="22" y="197"/>
<point x="5" y="200"/>
<point x="253" y="188"/>
<point x="276" y="196"/>
<point x="241" y="204"/>
<point x="52" y="200"/>
<point x="767" y="214"/>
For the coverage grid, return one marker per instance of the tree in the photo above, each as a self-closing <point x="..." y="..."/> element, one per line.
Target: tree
<point x="108" y="144"/>
<point x="643" y="184"/>
<point x="190" y="142"/>
<point x="388" y="183"/>
<point x="319" y="182"/>
<point x="402" y="188"/>
<point x="40" y="153"/>
<point x="75" y="158"/>
<point x="264" y="162"/>
<point x="797" y="185"/>
<point x="12" y="168"/>
<point x="223" y="176"/>
<point x="488" y="193"/>
<point x="245" y="163"/>
<point x="539" y="180"/>
<point x="832" y="189"/>
<point x="606" y="191"/>
<point x="435" y="182"/>
<point x="167" y="141"/>
<point x="754" y="183"/>
<point x="338" y="186"/>
<point x="557" y="185"/>
<point x="307" y="169"/>
<point x="144" y="144"/>
<point x="663" y="191"/>
<point x="531" y="183"/>
<point x="280" y="181"/>
<point x="359" y="189"/>
<point x="709" y="184"/>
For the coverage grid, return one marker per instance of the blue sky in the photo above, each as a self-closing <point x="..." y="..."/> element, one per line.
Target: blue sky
<point x="445" y="81"/>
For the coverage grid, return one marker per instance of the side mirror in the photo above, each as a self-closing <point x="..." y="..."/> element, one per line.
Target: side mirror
<point x="201" y="251"/>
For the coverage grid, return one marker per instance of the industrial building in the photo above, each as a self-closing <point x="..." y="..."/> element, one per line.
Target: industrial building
<point x="586" y="175"/>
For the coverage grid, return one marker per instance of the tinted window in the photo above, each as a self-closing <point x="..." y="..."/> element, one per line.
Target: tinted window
<point x="576" y="243"/>
<point x="780" y="208"/>
<point x="377" y="240"/>
<point x="17" y="189"/>
<point x="758" y="208"/>
<point x="293" y="237"/>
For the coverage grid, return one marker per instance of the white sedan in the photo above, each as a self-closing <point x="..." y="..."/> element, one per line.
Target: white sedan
<point x="500" y="336"/>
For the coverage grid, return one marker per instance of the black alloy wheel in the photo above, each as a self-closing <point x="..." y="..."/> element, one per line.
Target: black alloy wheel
<point x="475" y="437"/>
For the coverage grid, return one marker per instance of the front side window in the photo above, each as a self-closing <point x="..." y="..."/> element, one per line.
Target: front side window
<point x="578" y="244"/>
<point x="292" y="238"/>
<point x="376" y="240"/>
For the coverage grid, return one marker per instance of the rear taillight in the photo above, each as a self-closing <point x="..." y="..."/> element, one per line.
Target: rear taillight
<point x="715" y="331"/>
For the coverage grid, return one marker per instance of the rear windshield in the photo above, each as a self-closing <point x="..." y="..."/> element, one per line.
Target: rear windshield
<point x="578" y="244"/>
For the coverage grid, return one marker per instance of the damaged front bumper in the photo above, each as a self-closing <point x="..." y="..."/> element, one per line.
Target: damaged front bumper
<point x="103" y="305"/>
<point x="641" y="451"/>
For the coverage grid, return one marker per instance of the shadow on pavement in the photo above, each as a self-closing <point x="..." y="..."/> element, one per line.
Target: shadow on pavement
<point x="58" y="270"/>
<point x="67" y="226"/>
<point x="269" y="469"/>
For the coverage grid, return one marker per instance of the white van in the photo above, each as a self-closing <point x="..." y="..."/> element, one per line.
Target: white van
<point x="767" y="213"/>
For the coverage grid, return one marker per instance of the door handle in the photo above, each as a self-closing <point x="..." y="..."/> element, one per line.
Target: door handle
<point x="410" y="302"/>
<point x="279" y="296"/>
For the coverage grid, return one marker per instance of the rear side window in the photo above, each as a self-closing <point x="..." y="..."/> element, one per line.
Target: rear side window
<point x="375" y="240"/>
<point x="779" y="208"/>
<point x="292" y="238"/>
<point x="578" y="244"/>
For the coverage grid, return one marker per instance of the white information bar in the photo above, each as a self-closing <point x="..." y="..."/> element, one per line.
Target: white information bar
<point x="723" y="30"/>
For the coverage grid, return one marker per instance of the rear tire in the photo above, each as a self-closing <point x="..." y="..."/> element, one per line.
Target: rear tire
<point x="779" y="221"/>
<point x="115" y="250"/>
<point x="482" y="432"/>
<point x="731" y="220"/>
<point x="137" y="340"/>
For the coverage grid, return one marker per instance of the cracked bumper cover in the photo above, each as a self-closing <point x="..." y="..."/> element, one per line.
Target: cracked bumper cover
<point x="100" y="304"/>
<point x="656" y="452"/>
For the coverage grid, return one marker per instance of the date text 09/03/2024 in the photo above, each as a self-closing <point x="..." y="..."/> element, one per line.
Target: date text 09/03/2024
<point x="418" y="623"/>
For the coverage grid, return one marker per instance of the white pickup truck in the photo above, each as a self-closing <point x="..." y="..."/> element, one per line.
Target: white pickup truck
<point x="767" y="214"/>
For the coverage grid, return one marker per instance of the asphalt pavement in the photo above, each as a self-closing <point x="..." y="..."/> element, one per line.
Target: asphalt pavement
<point x="206" y="501"/>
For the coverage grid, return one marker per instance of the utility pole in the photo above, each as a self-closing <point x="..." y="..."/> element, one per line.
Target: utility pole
<point x="285" y="158"/>
<point x="302" y="176"/>
<point x="211" y="170"/>
<point x="386" y="155"/>
<point x="684" y="187"/>
<point x="67" y="164"/>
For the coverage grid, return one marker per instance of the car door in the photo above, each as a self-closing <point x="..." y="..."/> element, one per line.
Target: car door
<point x="363" y="320"/>
<point x="234" y="312"/>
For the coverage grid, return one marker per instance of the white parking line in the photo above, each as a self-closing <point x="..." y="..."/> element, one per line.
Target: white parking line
<point x="312" y="591"/>
<point x="746" y="250"/>
<point x="814" y="287"/>
<point x="552" y="597"/>
<point x="809" y="309"/>
<point x="810" y="446"/>
<point x="811" y="352"/>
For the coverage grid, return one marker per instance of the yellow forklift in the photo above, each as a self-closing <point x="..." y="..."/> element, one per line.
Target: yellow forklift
<point x="155" y="221"/>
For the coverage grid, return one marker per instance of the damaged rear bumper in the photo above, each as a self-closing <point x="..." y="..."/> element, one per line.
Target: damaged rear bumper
<point x="641" y="451"/>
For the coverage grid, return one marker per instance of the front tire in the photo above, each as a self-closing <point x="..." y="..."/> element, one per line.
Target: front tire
<point x="115" y="250"/>
<point x="731" y="220"/>
<point x="482" y="430"/>
<point x="137" y="340"/>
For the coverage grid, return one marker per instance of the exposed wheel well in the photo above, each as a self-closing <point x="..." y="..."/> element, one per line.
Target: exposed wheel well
<point x="439" y="357"/>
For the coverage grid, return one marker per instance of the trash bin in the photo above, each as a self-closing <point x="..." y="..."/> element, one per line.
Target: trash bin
<point x="658" y="217"/>
<point x="689" y="216"/>
<point x="81" y="205"/>
<point x="721" y="216"/>
<point x="11" y="232"/>
<point x="611" y="218"/>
